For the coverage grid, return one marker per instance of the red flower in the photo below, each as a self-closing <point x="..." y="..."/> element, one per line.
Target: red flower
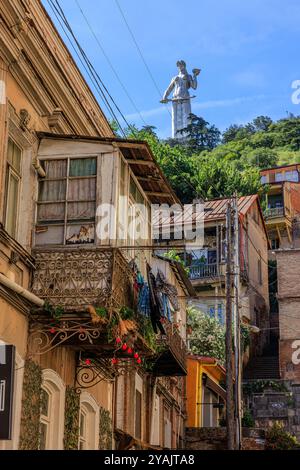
<point x="124" y="347"/>
<point x="88" y="362"/>
<point x="118" y="340"/>
<point x="139" y="360"/>
<point x="52" y="330"/>
<point x="135" y="355"/>
<point x="114" y="361"/>
<point x="129" y="350"/>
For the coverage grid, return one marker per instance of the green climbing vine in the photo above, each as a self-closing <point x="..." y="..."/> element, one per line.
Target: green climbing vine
<point x="258" y="386"/>
<point x="105" y="430"/>
<point x="72" y="407"/>
<point x="31" y="405"/>
<point x="55" y="312"/>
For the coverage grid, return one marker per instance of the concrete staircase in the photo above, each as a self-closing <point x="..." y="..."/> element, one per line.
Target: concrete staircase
<point x="265" y="367"/>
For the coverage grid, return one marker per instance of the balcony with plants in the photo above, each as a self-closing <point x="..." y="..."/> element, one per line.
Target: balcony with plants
<point x="99" y="304"/>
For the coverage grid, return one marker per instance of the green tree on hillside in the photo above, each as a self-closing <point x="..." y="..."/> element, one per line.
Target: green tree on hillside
<point x="201" y="166"/>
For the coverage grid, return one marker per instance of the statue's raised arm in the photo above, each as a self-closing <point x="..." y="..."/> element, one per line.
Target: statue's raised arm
<point x="193" y="81"/>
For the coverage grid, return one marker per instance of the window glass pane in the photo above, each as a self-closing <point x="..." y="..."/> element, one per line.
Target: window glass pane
<point x="77" y="234"/>
<point x="211" y="312"/>
<point x="43" y="436"/>
<point x="51" y="235"/>
<point x="82" y="167"/>
<point x="45" y="402"/>
<point x="82" y="425"/>
<point x="14" y="154"/>
<point x="55" y="168"/>
<point x="52" y="190"/>
<point x="82" y="189"/>
<point x="51" y="212"/>
<point x="12" y="204"/>
<point x="263" y="179"/>
<point x="278" y="176"/>
<point x="81" y="210"/>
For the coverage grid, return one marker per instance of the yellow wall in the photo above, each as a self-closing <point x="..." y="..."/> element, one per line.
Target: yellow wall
<point x="195" y="388"/>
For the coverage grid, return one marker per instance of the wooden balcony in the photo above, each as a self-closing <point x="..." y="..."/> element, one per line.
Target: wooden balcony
<point x="210" y="273"/>
<point x="274" y="212"/>
<point x="172" y="360"/>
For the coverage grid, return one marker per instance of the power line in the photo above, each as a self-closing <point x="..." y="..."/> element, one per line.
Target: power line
<point x="110" y="63"/>
<point x="89" y="64"/>
<point x="53" y="8"/>
<point x="100" y="84"/>
<point x="139" y="51"/>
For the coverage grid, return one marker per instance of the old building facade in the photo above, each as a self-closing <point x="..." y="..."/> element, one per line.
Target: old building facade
<point x="74" y="297"/>
<point x="207" y="266"/>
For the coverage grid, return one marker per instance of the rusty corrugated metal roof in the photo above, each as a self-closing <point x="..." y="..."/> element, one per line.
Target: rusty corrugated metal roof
<point x="216" y="208"/>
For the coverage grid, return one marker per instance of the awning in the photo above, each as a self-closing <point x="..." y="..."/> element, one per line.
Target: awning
<point x="214" y="387"/>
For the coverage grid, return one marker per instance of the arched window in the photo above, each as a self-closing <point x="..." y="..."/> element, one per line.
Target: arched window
<point x="52" y="411"/>
<point x="88" y="423"/>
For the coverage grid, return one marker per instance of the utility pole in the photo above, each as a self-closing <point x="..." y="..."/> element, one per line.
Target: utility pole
<point x="229" y="372"/>
<point x="237" y="328"/>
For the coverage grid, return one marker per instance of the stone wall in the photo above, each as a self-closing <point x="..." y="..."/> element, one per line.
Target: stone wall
<point x="284" y="407"/>
<point x="216" y="439"/>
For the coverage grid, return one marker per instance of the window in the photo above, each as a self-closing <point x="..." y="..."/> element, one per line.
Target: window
<point x="217" y="312"/>
<point x="278" y="177"/>
<point x="259" y="271"/>
<point x="52" y="411"/>
<point x="88" y="423"/>
<point x="67" y="202"/>
<point x="167" y="428"/>
<point x="275" y="243"/>
<point x="292" y="176"/>
<point x="264" y="179"/>
<point x="45" y="419"/>
<point x="210" y="412"/>
<point x="82" y="430"/>
<point x="139" y="222"/>
<point x="13" y="180"/>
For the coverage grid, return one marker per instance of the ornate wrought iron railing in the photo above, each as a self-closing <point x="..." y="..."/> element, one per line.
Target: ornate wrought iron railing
<point x="74" y="279"/>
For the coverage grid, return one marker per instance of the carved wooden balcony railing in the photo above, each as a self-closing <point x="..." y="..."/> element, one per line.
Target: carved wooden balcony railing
<point x="172" y="360"/>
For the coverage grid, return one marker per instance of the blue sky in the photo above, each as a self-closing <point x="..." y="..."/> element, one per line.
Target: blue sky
<point x="248" y="52"/>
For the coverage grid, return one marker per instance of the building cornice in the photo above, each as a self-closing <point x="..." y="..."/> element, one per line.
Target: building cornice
<point x="42" y="65"/>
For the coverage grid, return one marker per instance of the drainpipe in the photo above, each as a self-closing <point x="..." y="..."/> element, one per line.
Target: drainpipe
<point x="36" y="164"/>
<point x="21" y="290"/>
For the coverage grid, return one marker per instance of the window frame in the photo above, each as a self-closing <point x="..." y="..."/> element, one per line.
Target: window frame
<point x="46" y="419"/>
<point x="90" y="409"/>
<point x="10" y="172"/>
<point x="53" y="384"/>
<point x="66" y="222"/>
